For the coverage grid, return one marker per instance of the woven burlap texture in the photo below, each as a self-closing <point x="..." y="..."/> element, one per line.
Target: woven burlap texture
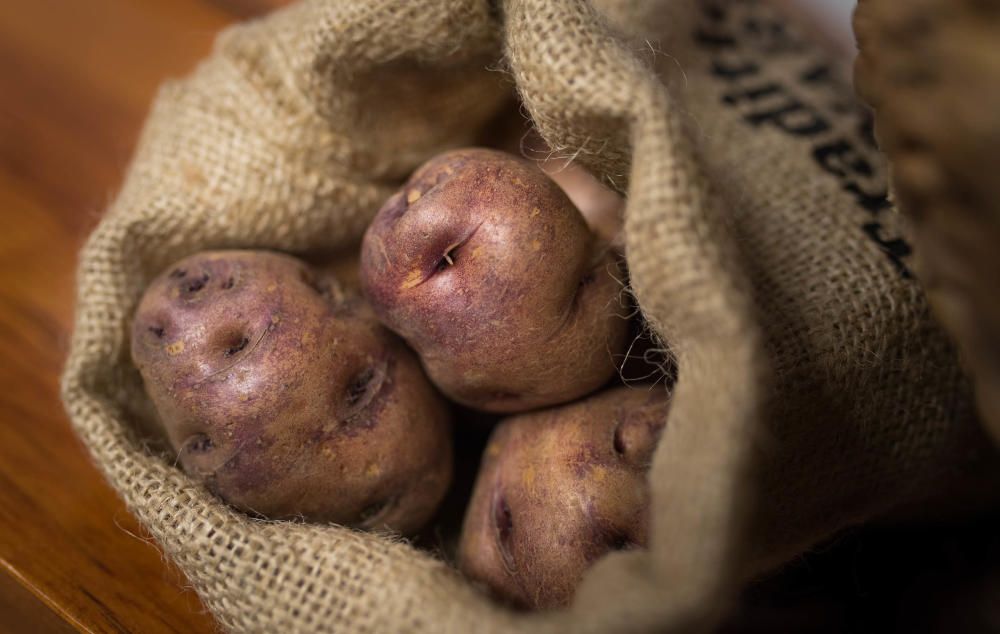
<point x="814" y="391"/>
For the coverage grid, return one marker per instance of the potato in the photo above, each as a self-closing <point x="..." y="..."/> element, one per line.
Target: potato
<point x="558" y="489"/>
<point x="483" y="265"/>
<point x="286" y="402"/>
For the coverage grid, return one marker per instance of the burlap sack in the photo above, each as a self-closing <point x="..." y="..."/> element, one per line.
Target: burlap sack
<point x="929" y="68"/>
<point x="814" y="391"/>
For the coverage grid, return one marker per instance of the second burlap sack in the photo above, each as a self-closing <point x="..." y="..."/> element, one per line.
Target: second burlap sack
<point x="929" y="69"/>
<point x="814" y="390"/>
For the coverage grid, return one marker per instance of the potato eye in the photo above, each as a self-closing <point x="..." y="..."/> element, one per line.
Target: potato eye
<point x="365" y="386"/>
<point x="618" y="440"/>
<point x="228" y="284"/>
<point x="178" y="273"/>
<point x="503" y="526"/>
<point x="359" y="386"/>
<point x="323" y="286"/>
<point x="238" y="346"/>
<point x="197" y="284"/>
<point x="448" y="259"/>
<point x="374" y="511"/>
<point x="157" y="331"/>
<point x="199" y="443"/>
<point x="621" y="542"/>
<point x="503" y="519"/>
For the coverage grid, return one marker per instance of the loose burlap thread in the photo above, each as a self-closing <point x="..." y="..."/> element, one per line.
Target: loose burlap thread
<point x="814" y="391"/>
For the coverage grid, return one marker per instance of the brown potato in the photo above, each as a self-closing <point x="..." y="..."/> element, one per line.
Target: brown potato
<point x="558" y="489"/>
<point x="490" y="273"/>
<point x="285" y="402"/>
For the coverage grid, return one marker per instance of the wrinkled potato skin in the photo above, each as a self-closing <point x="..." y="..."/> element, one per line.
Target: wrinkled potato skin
<point x="556" y="491"/>
<point x="528" y="312"/>
<point x="310" y="408"/>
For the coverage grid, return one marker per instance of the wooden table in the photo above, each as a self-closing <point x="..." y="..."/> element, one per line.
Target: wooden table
<point x="76" y="78"/>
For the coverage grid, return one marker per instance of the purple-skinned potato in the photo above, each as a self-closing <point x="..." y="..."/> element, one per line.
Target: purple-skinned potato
<point x="286" y="397"/>
<point x="557" y="490"/>
<point x="484" y="266"/>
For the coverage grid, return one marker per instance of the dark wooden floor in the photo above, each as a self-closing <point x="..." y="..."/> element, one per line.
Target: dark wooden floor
<point x="76" y="78"/>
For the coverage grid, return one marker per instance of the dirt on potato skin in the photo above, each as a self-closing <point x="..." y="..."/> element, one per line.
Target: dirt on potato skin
<point x="558" y="489"/>
<point x="287" y="398"/>
<point x="483" y="265"/>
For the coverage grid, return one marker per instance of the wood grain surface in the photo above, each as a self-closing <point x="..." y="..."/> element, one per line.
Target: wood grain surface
<point x="76" y="79"/>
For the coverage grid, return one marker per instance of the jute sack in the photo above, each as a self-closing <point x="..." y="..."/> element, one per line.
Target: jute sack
<point x="929" y="68"/>
<point x="814" y="391"/>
